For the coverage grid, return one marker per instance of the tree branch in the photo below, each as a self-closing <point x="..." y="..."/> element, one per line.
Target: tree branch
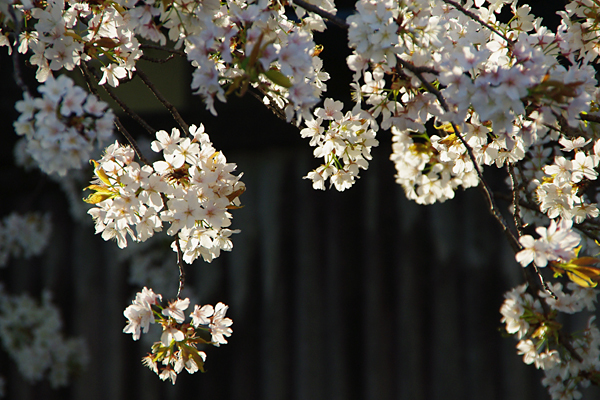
<point x="158" y="60"/>
<point x="15" y="56"/>
<point x="164" y="101"/>
<point x="88" y="78"/>
<point x="163" y="48"/>
<point x="589" y="118"/>
<point x="124" y="107"/>
<point x="181" y="267"/>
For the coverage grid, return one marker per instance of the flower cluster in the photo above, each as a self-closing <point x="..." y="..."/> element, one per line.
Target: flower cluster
<point x="23" y="235"/>
<point x="68" y="32"/>
<point x="31" y="334"/>
<point x="192" y="188"/>
<point x="64" y="126"/>
<point x="345" y="146"/>
<point x="558" y="194"/>
<point x="501" y="96"/>
<point x="177" y="348"/>
<point x="540" y="344"/>
<point x="231" y="45"/>
<point x="254" y="43"/>
<point x="556" y="243"/>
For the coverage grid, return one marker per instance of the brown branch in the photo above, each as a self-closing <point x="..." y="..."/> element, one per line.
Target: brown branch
<point x="131" y="141"/>
<point x="590" y="118"/>
<point x="163" y="48"/>
<point x="483" y="186"/>
<point x="418" y="72"/>
<point x="158" y="60"/>
<point x="164" y="101"/>
<point x="516" y="194"/>
<point x="278" y="112"/>
<point x="327" y="15"/>
<point x="15" y="56"/>
<point x="120" y="102"/>
<point x="88" y="78"/>
<point x="180" y="266"/>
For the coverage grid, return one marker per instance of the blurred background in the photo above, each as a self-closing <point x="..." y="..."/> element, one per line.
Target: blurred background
<point x="354" y="295"/>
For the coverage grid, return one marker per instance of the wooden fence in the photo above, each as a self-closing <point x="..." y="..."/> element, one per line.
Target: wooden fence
<point x="355" y="295"/>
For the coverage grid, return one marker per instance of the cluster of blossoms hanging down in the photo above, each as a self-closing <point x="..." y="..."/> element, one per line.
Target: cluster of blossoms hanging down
<point x="232" y="44"/>
<point x="30" y="332"/>
<point x="177" y="348"/>
<point x="345" y="146"/>
<point x="460" y="90"/>
<point x="23" y="235"/>
<point x="538" y="333"/>
<point x="64" y="126"/>
<point x="192" y="188"/>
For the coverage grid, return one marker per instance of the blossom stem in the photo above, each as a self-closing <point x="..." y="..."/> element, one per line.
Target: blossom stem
<point x="120" y="102"/>
<point x="158" y="60"/>
<point x="181" y="268"/>
<point x="516" y="190"/>
<point x="131" y="141"/>
<point x="163" y="48"/>
<point x="15" y="56"/>
<point x="163" y="100"/>
<point x="88" y="78"/>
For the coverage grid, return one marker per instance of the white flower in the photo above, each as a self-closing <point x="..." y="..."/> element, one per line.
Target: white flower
<point x="219" y="325"/>
<point x="201" y="315"/>
<point x="112" y="74"/>
<point x="170" y="334"/>
<point x="175" y="310"/>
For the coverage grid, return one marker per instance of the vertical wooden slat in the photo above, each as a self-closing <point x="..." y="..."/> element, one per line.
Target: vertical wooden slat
<point x="355" y="295"/>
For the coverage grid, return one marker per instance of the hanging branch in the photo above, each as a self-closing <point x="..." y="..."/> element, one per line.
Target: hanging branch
<point x="124" y="107"/>
<point x="15" y="56"/>
<point x="164" y="101"/>
<point x="163" y="48"/>
<point x="158" y="60"/>
<point x="88" y="78"/>
<point x="131" y="141"/>
<point x="516" y="191"/>
<point x="589" y="118"/>
<point x="181" y="267"/>
<point x="418" y="72"/>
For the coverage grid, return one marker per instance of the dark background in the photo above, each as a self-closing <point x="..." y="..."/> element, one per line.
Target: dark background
<point x="354" y="295"/>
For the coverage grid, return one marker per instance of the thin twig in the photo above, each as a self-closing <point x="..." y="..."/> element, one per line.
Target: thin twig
<point x="278" y="112"/>
<point x="158" y="60"/>
<point x="514" y="243"/>
<point x="163" y="48"/>
<point x="15" y="56"/>
<point x="493" y="208"/>
<point x="164" y="101"/>
<point x="120" y="102"/>
<point x="327" y="15"/>
<point x="516" y="192"/>
<point x="88" y="78"/>
<point x="590" y="118"/>
<point x="180" y="266"/>
<point x="476" y="18"/>
<point x="131" y="141"/>
<point x="484" y="187"/>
